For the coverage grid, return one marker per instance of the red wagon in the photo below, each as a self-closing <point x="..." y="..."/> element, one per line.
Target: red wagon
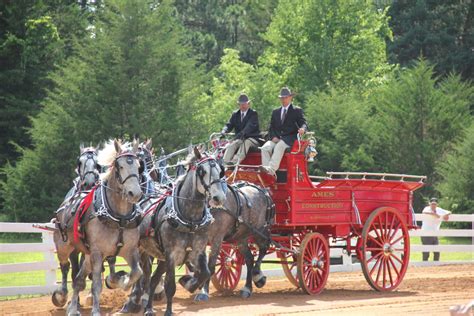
<point x="366" y="214"/>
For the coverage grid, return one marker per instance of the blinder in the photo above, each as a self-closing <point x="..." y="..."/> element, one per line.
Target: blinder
<point x="130" y="159"/>
<point x="91" y="154"/>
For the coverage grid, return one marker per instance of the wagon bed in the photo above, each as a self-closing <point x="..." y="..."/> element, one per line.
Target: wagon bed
<point x="370" y="213"/>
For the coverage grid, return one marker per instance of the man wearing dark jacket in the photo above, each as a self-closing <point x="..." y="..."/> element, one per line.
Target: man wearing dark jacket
<point x="287" y="121"/>
<point x="245" y="123"/>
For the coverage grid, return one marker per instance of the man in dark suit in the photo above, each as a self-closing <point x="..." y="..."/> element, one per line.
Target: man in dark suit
<point x="287" y="121"/>
<point x="245" y="123"/>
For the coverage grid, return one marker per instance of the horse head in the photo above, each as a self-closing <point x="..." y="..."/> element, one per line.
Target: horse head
<point x="88" y="167"/>
<point x="208" y="177"/>
<point x="125" y="168"/>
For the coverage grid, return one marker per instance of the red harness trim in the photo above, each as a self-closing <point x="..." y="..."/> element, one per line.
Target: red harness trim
<point x="85" y="204"/>
<point x="153" y="208"/>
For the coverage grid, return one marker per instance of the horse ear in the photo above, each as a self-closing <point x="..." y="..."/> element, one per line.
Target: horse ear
<point x="135" y="145"/>
<point x="118" y="146"/>
<point x="197" y="153"/>
<point x="148" y="144"/>
<point x="81" y="147"/>
<point x="97" y="147"/>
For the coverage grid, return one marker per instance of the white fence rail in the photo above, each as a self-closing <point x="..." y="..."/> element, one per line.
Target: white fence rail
<point x="50" y="264"/>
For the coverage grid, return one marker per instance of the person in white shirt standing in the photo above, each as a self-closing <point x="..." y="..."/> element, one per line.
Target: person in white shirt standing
<point x="436" y="215"/>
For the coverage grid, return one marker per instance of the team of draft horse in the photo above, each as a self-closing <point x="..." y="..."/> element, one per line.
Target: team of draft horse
<point x="264" y="202"/>
<point x="135" y="211"/>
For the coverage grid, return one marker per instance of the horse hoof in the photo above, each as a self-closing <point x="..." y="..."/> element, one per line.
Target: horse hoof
<point x="245" y="293"/>
<point x="59" y="298"/>
<point x="108" y="283"/>
<point x="131" y="307"/>
<point x="184" y="279"/>
<point x="261" y="283"/>
<point x="159" y="296"/>
<point x="201" y="297"/>
<point x="150" y="313"/>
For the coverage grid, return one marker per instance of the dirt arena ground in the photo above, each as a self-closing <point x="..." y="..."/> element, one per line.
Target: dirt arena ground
<point x="424" y="291"/>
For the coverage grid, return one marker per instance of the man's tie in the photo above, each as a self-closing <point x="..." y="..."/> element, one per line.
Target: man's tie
<point x="242" y="115"/>
<point x="283" y="115"/>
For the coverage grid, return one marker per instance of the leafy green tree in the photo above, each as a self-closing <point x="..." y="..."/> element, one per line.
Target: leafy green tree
<point x="415" y="119"/>
<point x="441" y="31"/>
<point x="319" y="44"/>
<point x="339" y="120"/>
<point x="132" y="76"/>
<point x="35" y="37"/>
<point x="456" y="183"/>
<point x="232" y="77"/>
<point x="213" y="25"/>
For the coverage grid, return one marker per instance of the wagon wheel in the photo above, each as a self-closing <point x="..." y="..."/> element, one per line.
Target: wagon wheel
<point x="313" y="263"/>
<point x="385" y="249"/>
<point x="289" y="260"/>
<point x="228" y="269"/>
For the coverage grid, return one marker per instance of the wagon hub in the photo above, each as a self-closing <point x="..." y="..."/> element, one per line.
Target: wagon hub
<point x="228" y="262"/>
<point x="387" y="249"/>
<point x="316" y="264"/>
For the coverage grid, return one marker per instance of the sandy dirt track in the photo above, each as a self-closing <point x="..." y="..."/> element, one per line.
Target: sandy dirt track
<point x="424" y="291"/>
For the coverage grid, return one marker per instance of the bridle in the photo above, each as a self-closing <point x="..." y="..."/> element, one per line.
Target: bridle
<point x="91" y="154"/>
<point x="131" y="156"/>
<point x="198" y="166"/>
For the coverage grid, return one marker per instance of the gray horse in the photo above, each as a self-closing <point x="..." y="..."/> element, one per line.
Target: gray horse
<point x="110" y="222"/>
<point x="88" y="170"/>
<point x="248" y="213"/>
<point x="179" y="234"/>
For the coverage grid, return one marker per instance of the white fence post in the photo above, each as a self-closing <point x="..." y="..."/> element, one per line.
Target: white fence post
<point x="49" y="257"/>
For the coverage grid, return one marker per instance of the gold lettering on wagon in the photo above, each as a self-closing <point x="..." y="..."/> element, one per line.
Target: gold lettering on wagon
<point x="321" y="205"/>
<point x="319" y="194"/>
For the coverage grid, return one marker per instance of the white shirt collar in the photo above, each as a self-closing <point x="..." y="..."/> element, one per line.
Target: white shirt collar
<point x="285" y="108"/>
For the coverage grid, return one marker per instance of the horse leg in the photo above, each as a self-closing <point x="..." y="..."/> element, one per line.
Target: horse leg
<point x="79" y="284"/>
<point x="246" y="291"/>
<point x="113" y="279"/>
<point x="133" y="303"/>
<point x="155" y="279"/>
<point x="59" y="296"/>
<point x="133" y="260"/>
<point x="257" y="275"/>
<point x="170" y="286"/>
<point x="215" y="249"/>
<point x="201" y="275"/>
<point x="96" y="262"/>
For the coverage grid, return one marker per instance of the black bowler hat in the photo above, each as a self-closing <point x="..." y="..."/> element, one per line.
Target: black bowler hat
<point x="433" y="200"/>
<point x="243" y="98"/>
<point x="285" y="92"/>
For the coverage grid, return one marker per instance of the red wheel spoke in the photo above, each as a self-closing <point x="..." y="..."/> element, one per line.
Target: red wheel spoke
<point x="374" y="249"/>
<point x="373" y="257"/>
<point x="375" y="265"/>
<point x="394" y="267"/>
<point x="382" y="235"/>
<point x="397" y="240"/>
<point x="389" y="272"/>
<point x="384" y="272"/>
<point x="376" y="232"/>
<point x="378" y="270"/>
<point x="396" y="258"/>
<point x="395" y="230"/>
<point x="375" y="240"/>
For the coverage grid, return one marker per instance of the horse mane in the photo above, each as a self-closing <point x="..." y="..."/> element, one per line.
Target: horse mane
<point x="107" y="155"/>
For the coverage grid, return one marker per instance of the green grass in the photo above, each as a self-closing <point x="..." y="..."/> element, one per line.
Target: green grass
<point x="445" y="256"/>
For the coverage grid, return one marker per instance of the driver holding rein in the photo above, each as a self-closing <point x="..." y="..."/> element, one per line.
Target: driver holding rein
<point x="286" y="123"/>
<point x="245" y="123"/>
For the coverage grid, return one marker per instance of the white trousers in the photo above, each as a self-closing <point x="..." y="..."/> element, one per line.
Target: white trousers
<point x="272" y="154"/>
<point x="237" y="150"/>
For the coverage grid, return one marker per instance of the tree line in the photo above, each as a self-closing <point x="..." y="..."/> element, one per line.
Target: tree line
<point x="385" y="85"/>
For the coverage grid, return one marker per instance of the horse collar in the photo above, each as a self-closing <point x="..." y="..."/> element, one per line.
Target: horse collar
<point x="105" y="212"/>
<point x="176" y="219"/>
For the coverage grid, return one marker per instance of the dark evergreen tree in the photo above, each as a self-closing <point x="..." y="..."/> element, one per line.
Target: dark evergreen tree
<point x="440" y="31"/>
<point x="132" y="76"/>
